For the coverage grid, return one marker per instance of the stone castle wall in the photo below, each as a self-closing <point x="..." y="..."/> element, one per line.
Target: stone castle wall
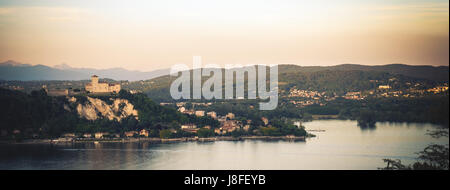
<point x="101" y="87"/>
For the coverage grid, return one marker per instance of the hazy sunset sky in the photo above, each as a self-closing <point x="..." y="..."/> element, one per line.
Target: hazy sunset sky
<point x="148" y="35"/>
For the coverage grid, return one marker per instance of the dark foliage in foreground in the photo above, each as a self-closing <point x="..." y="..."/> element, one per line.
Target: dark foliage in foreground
<point x="433" y="157"/>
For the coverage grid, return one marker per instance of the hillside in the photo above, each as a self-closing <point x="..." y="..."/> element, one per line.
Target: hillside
<point x="47" y="116"/>
<point x="440" y="73"/>
<point x="337" y="79"/>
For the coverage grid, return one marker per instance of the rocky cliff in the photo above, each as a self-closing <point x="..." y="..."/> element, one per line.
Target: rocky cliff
<point x="96" y="108"/>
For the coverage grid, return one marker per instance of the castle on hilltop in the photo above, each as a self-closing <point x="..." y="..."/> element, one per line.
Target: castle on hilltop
<point x="101" y="87"/>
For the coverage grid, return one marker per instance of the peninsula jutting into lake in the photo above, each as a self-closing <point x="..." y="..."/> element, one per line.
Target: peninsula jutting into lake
<point x="93" y="112"/>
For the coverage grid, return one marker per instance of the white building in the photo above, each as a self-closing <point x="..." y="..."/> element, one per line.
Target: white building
<point x="230" y="115"/>
<point x="188" y="126"/>
<point x="212" y="114"/>
<point x="384" y="87"/>
<point x="200" y="113"/>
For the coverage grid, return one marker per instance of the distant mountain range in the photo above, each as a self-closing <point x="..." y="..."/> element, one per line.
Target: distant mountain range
<point x="11" y="70"/>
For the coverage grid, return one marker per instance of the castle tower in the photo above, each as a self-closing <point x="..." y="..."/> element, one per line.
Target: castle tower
<point x="101" y="87"/>
<point x="94" y="79"/>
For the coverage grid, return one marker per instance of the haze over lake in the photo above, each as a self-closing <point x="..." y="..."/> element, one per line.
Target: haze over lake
<point x="343" y="145"/>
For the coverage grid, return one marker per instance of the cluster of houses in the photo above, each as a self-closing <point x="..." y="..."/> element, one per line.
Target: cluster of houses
<point x="228" y="123"/>
<point x="384" y="90"/>
<point x="305" y="93"/>
<point x="384" y="87"/>
<point x="309" y="97"/>
<point x="354" y="96"/>
<point x="99" y="135"/>
<point x="438" y="89"/>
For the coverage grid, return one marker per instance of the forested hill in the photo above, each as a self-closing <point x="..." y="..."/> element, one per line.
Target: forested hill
<point x="338" y="79"/>
<point x="37" y="113"/>
<point x="440" y="73"/>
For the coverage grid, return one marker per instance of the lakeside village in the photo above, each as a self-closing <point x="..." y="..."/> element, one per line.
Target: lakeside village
<point x="227" y="123"/>
<point x="302" y="98"/>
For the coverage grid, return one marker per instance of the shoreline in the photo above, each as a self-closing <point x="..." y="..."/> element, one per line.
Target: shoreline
<point x="154" y="140"/>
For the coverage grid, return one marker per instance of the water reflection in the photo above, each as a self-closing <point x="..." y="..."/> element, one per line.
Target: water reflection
<point x="340" y="145"/>
<point x="370" y="126"/>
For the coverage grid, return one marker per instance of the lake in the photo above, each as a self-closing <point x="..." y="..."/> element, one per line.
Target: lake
<point x="342" y="145"/>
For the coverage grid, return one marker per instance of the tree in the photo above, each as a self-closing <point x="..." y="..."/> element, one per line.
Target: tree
<point x="165" y="134"/>
<point x="433" y="157"/>
<point x="204" y="132"/>
<point x="394" y="165"/>
<point x="366" y="119"/>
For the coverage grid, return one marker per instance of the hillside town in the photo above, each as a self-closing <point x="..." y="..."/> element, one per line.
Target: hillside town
<point x="302" y="98"/>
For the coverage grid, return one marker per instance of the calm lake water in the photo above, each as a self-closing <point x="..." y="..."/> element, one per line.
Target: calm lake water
<point x="343" y="145"/>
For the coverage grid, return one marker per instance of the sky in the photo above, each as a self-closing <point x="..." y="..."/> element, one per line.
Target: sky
<point x="147" y="35"/>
